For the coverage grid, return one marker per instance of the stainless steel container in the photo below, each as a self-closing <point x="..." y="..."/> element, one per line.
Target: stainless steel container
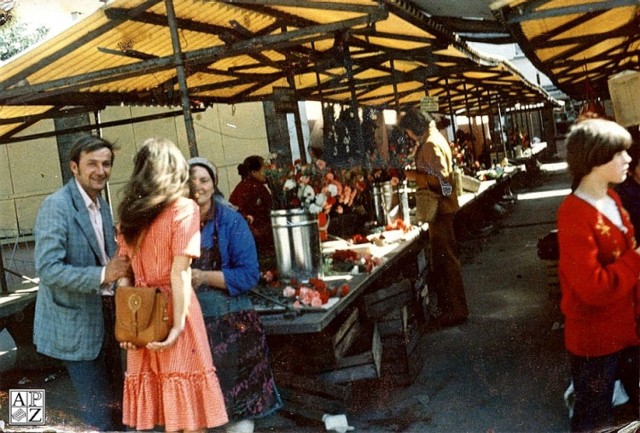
<point x="297" y="241"/>
<point x="385" y="198"/>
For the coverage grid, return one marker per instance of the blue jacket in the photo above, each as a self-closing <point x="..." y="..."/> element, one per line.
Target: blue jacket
<point x="68" y="323"/>
<point x="239" y="261"/>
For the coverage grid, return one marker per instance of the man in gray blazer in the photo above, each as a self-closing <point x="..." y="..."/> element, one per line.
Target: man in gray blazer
<point x="74" y="243"/>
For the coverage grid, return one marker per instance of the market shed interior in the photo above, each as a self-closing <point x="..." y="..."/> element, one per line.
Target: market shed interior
<point x="226" y="79"/>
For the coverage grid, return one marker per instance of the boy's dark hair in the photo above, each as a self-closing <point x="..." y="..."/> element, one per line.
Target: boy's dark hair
<point x="88" y="143"/>
<point x="593" y="142"/>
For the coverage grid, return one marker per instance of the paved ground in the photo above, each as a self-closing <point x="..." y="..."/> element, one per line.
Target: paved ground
<point x="504" y="371"/>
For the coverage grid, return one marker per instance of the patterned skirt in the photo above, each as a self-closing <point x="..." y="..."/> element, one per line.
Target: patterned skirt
<point x="240" y="354"/>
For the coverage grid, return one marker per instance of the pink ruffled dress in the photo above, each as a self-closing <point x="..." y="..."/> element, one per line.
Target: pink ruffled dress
<point x="176" y="388"/>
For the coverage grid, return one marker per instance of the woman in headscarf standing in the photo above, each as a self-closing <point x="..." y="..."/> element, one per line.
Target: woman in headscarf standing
<point x="223" y="276"/>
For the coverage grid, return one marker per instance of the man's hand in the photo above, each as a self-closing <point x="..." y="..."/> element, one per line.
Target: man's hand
<point x="118" y="267"/>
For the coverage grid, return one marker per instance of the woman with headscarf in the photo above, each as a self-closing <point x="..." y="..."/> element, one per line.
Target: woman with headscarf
<point x="223" y="276"/>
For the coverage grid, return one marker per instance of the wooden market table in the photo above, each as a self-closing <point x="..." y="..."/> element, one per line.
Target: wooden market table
<point x="374" y="332"/>
<point x="407" y="253"/>
<point x="279" y="321"/>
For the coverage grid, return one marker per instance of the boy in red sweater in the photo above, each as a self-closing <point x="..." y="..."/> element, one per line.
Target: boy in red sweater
<point x="599" y="268"/>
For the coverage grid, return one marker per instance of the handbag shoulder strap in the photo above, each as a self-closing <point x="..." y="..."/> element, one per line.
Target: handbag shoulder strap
<point x="142" y="277"/>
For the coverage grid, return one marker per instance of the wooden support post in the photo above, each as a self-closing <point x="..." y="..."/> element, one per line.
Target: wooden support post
<point x="502" y="137"/>
<point x="466" y="104"/>
<point x="3" y="276"/>
<point x="451" y="113"/>
<point x="182" y="79"/>
<point x="484" y="133"/>
<point x="358" y="144"/>
<point x="396" y="100"/>
<point x="298" y="122"/>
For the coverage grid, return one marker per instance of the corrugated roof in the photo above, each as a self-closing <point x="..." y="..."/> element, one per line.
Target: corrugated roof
<point x="573" y="42"/>
<point x="240" y="50"/>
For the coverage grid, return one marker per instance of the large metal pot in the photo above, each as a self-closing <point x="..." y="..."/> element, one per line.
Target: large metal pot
<point x="297" y="244"/>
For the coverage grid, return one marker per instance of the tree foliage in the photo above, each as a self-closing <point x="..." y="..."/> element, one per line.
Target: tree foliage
<point x="18" y="36"/>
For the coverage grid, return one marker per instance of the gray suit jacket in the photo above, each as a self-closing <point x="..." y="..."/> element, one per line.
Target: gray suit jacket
<point x="68" y="320"/>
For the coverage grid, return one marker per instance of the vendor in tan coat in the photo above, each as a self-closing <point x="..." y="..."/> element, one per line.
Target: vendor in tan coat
<point x="434" y="170"/>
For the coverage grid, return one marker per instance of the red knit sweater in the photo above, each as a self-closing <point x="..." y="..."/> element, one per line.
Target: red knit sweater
<point x="599" y="272"/>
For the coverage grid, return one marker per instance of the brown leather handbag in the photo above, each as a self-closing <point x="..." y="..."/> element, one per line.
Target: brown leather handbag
<point x="142" y="315"/>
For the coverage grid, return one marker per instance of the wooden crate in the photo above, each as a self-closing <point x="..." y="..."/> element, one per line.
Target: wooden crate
<point x="394" y="322"/>
<point x="402" y="354"/>
<point x="316" y="352"/>
<point x="310" y="397"/>
<point x="385" y="300"/>
<point x="347" y="333"/>
<point x="360" y="366"/>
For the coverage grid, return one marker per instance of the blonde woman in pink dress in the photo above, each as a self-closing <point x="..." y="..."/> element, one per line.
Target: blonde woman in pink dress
<point x="169" y="383"/>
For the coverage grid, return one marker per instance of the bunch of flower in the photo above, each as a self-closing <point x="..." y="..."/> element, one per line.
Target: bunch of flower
<point x="391" y="169"/>
<point x="352" y="184"/>
<point x="388" y="174"/>
<point x="311" y="186"/>
<point x="352" y="261"/>
<point x="314" y="294"/>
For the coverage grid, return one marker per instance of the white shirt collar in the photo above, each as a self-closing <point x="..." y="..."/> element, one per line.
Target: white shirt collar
<point x="85" y="197"/>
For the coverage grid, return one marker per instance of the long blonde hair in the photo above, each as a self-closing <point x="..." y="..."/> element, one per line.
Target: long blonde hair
<point x="160" y="176"/>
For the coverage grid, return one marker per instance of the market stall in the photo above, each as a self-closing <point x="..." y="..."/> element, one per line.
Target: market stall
<point x="372" y="330"/>
<point x="371" y="326"/>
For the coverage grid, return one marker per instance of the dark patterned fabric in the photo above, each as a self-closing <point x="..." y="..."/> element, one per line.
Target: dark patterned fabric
<point x="239" y="348"/>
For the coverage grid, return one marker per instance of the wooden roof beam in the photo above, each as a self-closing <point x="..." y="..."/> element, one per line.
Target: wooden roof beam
<point x="586" y="41"/>
<point x="47" y="60"/>
<point x="27" y="93"/>
<point x="329" y="6"/>
<point x="543" y="38"/>
<point x="528" y="12"/>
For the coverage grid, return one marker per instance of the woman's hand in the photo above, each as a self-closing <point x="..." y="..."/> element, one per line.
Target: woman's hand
<point x="213" y="279"/>
<point x="128" y="346"/>
<point x="198" y="277"/>
<point x="171" y="339"/>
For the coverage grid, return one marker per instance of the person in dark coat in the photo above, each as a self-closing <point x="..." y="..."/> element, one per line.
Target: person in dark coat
<point x="253" y="200"/>
<point x="629" y="190"/>
<point x="434" y="170"/>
